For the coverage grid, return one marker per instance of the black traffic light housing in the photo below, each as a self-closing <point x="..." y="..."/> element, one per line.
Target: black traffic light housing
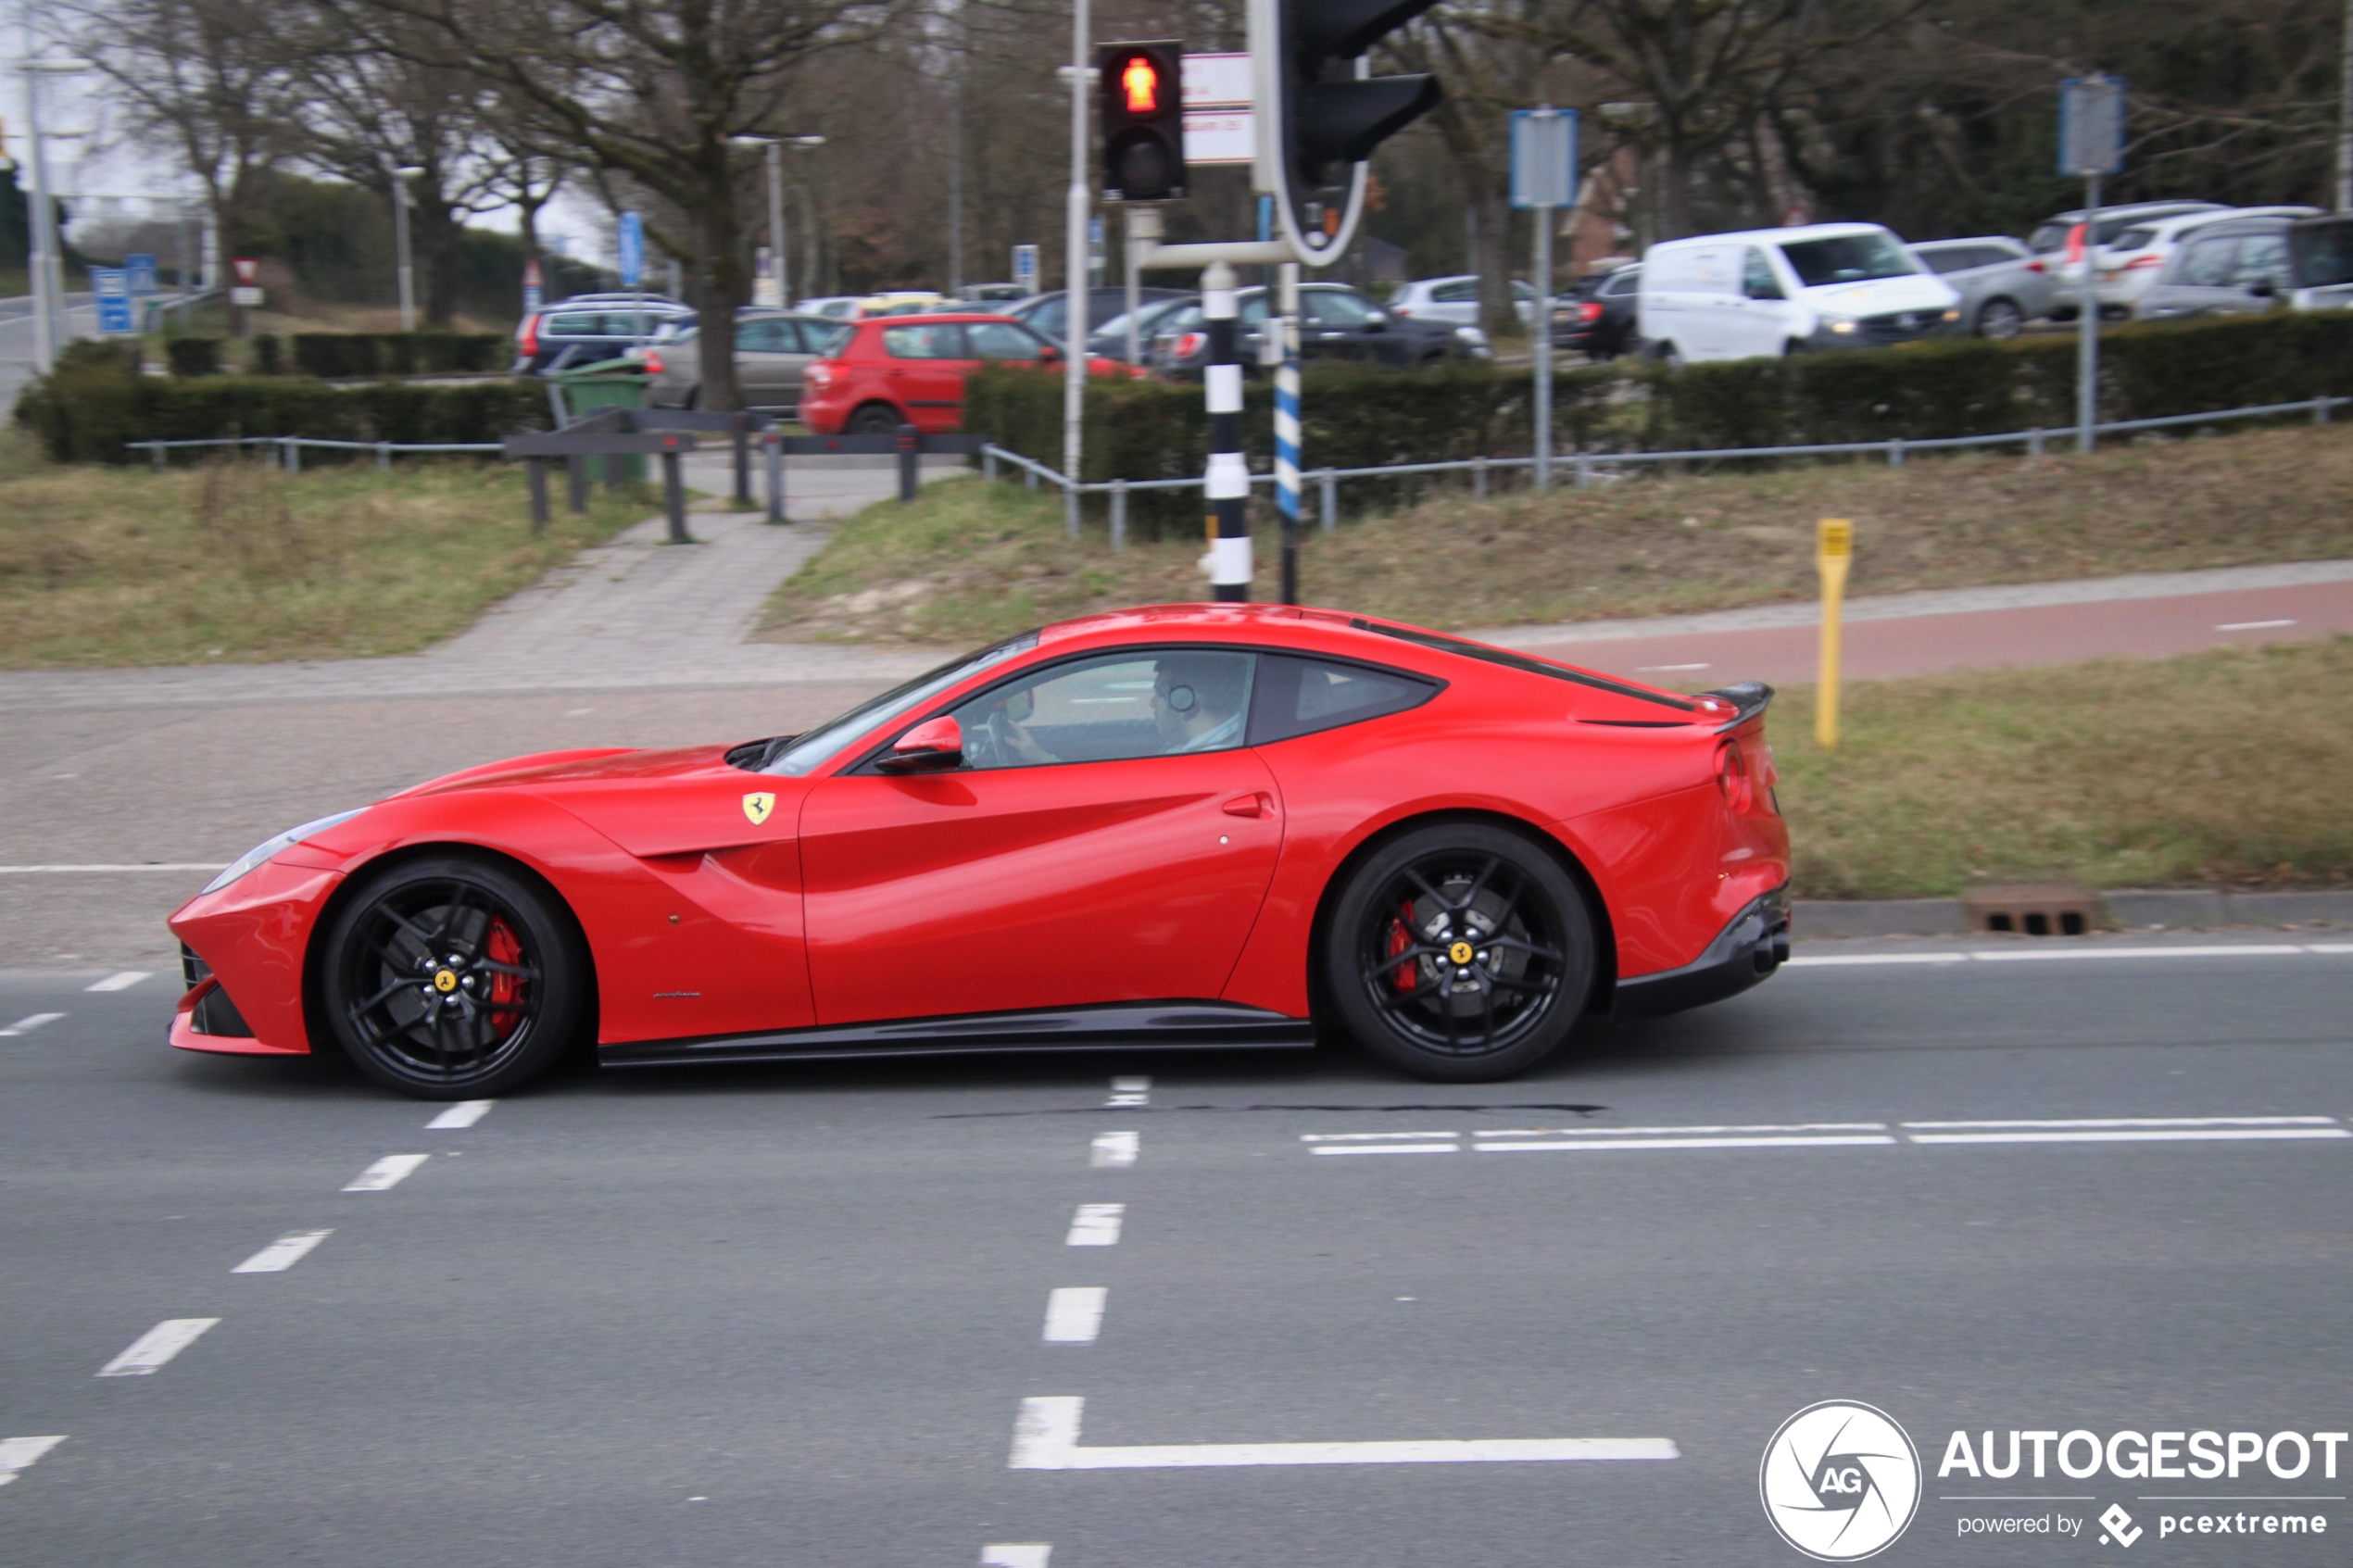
<point x="1143" y="120"/>
<point x="1331" y="117"/>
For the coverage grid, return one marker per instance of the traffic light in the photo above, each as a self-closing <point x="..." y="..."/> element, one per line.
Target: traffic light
<point x="1143" y="121"/>
<point x="1328" y="116"/>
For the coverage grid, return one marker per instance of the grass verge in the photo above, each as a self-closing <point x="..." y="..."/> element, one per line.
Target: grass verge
<point x="2224" y="768"/>
<point x="236" y="562"/>
<point x="968" y="562"/>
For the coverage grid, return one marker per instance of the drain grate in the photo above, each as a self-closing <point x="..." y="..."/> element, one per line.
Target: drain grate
<point x="2034" y="909"/>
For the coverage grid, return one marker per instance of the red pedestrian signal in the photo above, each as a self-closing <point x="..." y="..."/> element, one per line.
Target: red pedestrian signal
<point x="1143" y="121"/>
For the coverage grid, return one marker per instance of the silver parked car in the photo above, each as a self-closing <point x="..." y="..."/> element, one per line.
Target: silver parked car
<point x="2002" y="286"/>
<point x="2321" y="263"/>
<point x="772" y="350"/>
<point x="2230" y="267"/>
<point x="1454" y="299"/>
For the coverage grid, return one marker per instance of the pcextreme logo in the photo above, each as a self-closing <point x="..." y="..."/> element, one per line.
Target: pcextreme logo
<point x="1841" y="1481"/>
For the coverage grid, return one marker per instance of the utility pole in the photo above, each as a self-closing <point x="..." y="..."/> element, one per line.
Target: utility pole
<point x="401" y="174"/>
<point x="44" y="254"/>
<point x="956" y="188"/>
<point x="2345" y="114"/>
<point x="1075" y="269"/>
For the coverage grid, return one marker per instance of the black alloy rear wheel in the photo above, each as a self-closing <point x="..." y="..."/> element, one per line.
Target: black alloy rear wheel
<point x="454" y="978"/>
<point x="1461" y="952"/>
<point x="875" y="419"/>
<point x="2000" y="318"/>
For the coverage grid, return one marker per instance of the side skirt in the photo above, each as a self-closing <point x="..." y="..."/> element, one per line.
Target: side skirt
<point x="1127" y="1025"/>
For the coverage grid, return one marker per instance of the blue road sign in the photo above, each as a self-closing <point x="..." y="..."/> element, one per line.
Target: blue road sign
<point x="1543" y="157"/>
<point x="1026" y="267"/>
<point x="633" y="249"/>
<point x="111" y="284"/>
<point x="106" y="282"/>
<point x="143" y="273"/>
<point x="2091" y="125"/>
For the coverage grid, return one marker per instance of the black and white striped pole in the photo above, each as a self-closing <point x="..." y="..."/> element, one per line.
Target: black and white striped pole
<point x="1228" y="481"/>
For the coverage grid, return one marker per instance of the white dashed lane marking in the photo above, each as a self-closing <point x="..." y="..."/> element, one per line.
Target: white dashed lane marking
<point x="1111" y="1149"/>
<point x="1046" y="1437"/>
<point x="156" y="1345"/>
<point x="1837" y="1135"/>
<point x="1017" y="1554"/>
<point x="282" y="1254"/>
<point x="1075" y="1314"/>
<point x="2252" y="625"/>
<point x="1129" y="1091"/>
<point x="122" y="980"/>
<point x="1096" y="1225"/>
<point x="465" y="1114"/>
<point x="28" y="1023"/>
<point x="19" y="1454"/>
<point x="389" y="1172"/>
<point x="2067" y="955"/>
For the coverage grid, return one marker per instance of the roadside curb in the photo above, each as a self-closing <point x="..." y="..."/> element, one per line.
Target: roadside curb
<point x="2162" y="908"/>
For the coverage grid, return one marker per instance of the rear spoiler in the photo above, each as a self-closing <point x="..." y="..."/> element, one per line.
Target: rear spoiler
<point x="1749" y="698"/>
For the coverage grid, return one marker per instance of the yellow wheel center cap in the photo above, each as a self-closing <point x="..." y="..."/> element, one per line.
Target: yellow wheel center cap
<point x="1460" y="953"/>
<point x="445" y="981"/>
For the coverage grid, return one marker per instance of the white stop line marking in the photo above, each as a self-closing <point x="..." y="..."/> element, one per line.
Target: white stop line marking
<point x="1841" y="1134"/>
<point x="282" y="1254"/>
<point x="18" y="1454"/>
<point x="1075" y="1314"/>
<point x="156" y="1345"/>
<point x="389" y="1172"/>
<point x="1113" y="1150"/>
<point x="1096" y="1225"/>
<point x="1046" y="1437"/>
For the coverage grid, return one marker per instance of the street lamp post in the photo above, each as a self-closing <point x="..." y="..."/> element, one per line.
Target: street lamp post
<point x="401" y="175"/>
<point x="774" y="148"/>
<point x="43" y="253"/>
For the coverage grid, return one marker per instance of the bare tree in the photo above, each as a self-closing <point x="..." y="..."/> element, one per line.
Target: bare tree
<point x="650" y="91"/>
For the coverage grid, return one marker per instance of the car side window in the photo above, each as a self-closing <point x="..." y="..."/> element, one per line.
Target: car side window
<point x="1455" y="294"/>
<point x="2210" y="263"/>
<point x="938" y="340"/>
<point x="1117" y="708"/>
<point x="1252" y="310"/>
<point x="759" y="337"/>
<point x="2263" y="260"/>
<point x="1331" y="307"/>
<point x="1003" y="340"/>
<point x="1622" y="282"/>
<point x="573" y="326"/>
<point x="1756" y="277"/>
<point x="1297" y="696"/>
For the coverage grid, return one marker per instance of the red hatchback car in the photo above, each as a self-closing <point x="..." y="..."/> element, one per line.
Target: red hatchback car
<point x="910" y="370"/>
<point x="1196" y="826"/>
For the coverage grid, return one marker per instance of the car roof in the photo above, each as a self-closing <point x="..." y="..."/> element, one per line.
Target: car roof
<point x="1966" y="240"/>
<point x="2179" y="224"/>
<point x="2128" y="210"/>
<point x="1777" y="236"/>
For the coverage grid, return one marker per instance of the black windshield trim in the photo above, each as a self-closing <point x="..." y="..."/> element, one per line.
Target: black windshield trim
<point x="1521" y="662"/>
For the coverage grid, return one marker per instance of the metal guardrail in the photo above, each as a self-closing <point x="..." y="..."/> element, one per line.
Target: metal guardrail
<point x="287" y="449"/>
<point x="1588" y="464"/>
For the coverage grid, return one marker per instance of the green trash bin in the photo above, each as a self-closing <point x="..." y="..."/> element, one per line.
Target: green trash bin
<point x="609" y="384"/>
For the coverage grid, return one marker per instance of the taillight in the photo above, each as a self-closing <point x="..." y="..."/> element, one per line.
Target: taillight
<point x="2036" y="266"/>
<point x="817" y="373"/>
<point x="651" y="360"/>
<point x="2140" y="261"/>
<point x="1731" y="776"/>
<point x="1589" y="312"/>
<point x="1190" y="343"/>
<point x="530" y="335"/>
<point x="1401" y="310"/>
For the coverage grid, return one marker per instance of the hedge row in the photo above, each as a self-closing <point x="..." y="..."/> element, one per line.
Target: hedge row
<point x="1360" y="419"/>
<point x="96" y="400"/>
<point x="352" y="355"/>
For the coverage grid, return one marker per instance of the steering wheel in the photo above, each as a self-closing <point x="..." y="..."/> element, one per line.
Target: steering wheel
<point x="995" y="740"/>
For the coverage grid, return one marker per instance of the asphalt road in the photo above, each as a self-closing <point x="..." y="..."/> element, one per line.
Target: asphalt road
<point x="16" y="337"/>
<point x="789" y="1314"/>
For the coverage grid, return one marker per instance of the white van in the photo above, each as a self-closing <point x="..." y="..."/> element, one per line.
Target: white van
<point x="1787" y="291"/>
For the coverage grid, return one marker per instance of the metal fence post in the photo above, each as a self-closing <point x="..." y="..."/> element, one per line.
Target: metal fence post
<point x="774" y="443"/>
<point x="2034" y="441"/>
<point x="1118" y="514"/>
<point x="293" y="455"/>
<point x="577" y="485"/>
<point x="1029" y="476"/>
<point x="2320" y="410"/>
<point x="743" y="462"/>
<point x="616" y="471"/>
<point x="673" y="492"/>
<point x="1895" y="453"/>
<point x="909" y="439"/>
<point x="383" y="459"/>
<point x="1329" y="499"/>
<point x="156" y="454"/>
<point x="538" y="470"/>
<point x="1584" y="472"/>
<point x="1478" y="476"/>
<point x="989" y="464"/>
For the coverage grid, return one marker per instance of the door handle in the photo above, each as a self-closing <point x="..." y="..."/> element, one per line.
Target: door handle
<point x="1258" y="805"/>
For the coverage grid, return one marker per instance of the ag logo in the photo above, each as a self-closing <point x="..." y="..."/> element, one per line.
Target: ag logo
<point x="1841" y="1481"/>
<point x="758" y="805"/>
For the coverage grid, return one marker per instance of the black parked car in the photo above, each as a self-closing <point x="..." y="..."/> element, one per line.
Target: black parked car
<point x="1048" y="314"/>
<point x="1336" y="324"/>
<point x="1596" y="317"/>
<point x="592" y="327"/>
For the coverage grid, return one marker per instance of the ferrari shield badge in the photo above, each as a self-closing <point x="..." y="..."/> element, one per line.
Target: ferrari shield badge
<point x="757" y="805"/>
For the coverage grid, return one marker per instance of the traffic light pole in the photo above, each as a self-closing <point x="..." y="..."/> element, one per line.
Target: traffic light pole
<point x="1228" y="481"/>
<point x="1287" y="429"/>
<point x="1075" y="278"/>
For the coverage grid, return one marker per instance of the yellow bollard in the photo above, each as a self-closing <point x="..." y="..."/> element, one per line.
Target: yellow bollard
<point x="1834" y="550"/>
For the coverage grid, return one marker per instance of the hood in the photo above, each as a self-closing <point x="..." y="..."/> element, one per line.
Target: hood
<point x="1877" y="296"/>
<point x="586" y="764"/>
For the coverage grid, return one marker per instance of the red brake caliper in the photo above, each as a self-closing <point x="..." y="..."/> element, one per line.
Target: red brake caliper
<point x="1400" y="936"/>
<point x="505" y="990"/>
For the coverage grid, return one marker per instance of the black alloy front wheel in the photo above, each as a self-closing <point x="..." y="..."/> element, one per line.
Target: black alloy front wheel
<point x="875" y="419"/>
<point x="1461" y="952"/>
<point x="454" y="978"/>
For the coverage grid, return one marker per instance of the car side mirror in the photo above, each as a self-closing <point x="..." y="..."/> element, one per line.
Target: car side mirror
<point x="1049" y="355"/>
<point x="2262" y="288"/>
<point x="1376" y="322"/>
<point x="932" y="747"/>
<point x="1764" y="291"/>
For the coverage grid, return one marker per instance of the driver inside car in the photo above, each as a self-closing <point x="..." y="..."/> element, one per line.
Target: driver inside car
<point x="1198" y="702"/>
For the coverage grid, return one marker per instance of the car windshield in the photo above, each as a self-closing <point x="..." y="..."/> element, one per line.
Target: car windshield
<point x="812" y="748"/>
<point x="2323" y="255"/>
<point x="1848" y="258"/>
<point x="827" y="340"/>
